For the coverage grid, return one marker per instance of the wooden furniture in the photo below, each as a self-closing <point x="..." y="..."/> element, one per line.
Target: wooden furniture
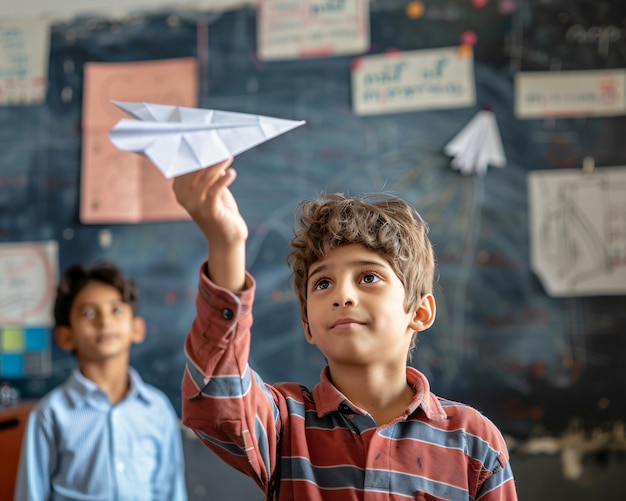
<point x="12" y="425"/>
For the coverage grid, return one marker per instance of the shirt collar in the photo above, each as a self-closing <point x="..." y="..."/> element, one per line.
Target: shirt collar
<point x="138" y="388"/>
<point x="328" y="398"/>
<point x="81" y="390"/>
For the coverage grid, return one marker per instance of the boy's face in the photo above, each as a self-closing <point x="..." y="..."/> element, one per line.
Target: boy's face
<point x="355" y="309"/>
<point x="102" y="326"/>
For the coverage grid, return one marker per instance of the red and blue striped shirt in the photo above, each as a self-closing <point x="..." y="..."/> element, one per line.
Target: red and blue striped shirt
<point x="316" y="445"/>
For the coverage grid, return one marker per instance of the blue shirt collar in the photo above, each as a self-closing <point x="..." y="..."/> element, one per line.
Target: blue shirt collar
<point x="83" y="391"/>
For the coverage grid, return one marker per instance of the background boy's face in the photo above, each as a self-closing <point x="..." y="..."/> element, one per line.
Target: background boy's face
<point x="355" y="308"/>
<point x="102" y="326"/>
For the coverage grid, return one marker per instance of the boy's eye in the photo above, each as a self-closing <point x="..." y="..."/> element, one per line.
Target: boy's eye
<point x="322" y="284"/>
<point x="89" y="314"/>
<point x="117" y="311"/>
<point x="370" y="278"/>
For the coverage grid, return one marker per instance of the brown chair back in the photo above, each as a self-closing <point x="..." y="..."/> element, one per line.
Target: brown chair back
<point x="12" y="425"/>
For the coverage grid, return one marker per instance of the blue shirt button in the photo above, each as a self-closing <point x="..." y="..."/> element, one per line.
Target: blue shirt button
<point x="227" y="314"/>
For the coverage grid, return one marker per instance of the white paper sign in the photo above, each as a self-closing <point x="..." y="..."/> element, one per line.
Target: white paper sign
<point x="415" y="80"/>
<point x="28" y="280"/>
<point x="578" y="230"/>
<point x="570" y="93"/>
<point x="24" y="55"/>
<point x="291" y="29"/>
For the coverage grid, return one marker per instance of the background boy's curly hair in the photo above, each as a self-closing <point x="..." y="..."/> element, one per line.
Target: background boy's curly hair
<point x="385" y="224"/>
<point x="77" y="276"/>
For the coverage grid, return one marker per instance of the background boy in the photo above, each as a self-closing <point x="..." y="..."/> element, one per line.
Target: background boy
<point x="104" y="434"/>
<point x="371" y="429"/>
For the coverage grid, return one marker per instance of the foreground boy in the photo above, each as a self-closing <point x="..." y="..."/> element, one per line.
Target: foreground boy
<point x="104" y="434"/>
<point x="371" y="429"/>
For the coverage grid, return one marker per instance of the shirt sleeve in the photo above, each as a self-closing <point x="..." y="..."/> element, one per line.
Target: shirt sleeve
<point x="485" y="452"/>
<point x="37" y="458"/>
<point x="170" y="477"/>
<point x="495" y="477"/>
<point x="500" y="486"/>
<point x="224" y="402"/>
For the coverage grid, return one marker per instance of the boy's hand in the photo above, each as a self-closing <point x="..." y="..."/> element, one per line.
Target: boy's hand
<point x="205" y="195"/>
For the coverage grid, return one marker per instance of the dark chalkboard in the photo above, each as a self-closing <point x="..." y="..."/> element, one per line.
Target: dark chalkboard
<point x="499" y="342"/>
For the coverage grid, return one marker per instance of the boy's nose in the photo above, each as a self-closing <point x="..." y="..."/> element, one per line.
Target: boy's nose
<point x="344" y="295"/>
<point x="103" y="318"/>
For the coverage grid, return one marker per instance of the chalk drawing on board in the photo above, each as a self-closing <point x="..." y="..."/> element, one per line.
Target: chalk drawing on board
<point x="578" y="231"/>
<point x="567" y="35"/>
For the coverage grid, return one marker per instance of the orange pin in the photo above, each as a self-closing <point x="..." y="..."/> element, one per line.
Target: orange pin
<point x="415" y="10"/>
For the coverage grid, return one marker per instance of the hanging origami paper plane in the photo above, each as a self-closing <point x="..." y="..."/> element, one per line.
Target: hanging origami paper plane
<point x="180" y="140"/>
<point x="477" y="145"/>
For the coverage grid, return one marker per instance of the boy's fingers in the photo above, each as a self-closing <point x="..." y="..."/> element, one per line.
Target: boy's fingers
<point x="210" y="176"/>
<point x="225" y="179"/>
<point x="214" y="170"/>
<point x="202" y="178"/>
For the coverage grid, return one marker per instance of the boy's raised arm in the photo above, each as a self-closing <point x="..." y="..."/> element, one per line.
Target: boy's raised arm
<point x="226" y="405"/>
<point x="206" y="196"/>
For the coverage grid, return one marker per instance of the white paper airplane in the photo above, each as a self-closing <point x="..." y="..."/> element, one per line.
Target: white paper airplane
<point x="477" y="145"/>
<point x="180" y="140"/>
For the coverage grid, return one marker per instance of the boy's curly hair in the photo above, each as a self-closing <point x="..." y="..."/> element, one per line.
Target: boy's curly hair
<point x="384" y="224"/>
<point x="77" y="276"/>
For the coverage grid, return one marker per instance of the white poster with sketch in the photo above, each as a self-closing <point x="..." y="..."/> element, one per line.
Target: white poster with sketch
<point x="28" y="280"/>
<point x="291" y="29"/>
<point x="24" y="55"/>
<point x="558" y="94"/>
<point x="578" y="231"/>
<point x="414" y="80"/>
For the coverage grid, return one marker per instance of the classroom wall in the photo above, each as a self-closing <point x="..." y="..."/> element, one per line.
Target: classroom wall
<point x="548" y="370"/>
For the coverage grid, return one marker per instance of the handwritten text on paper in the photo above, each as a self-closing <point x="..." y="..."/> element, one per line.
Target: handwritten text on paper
<point x="570" y="93"/>
<point x="416" y="80"/>
<point x="23" y="61"/>
<point x="289" y="29"/>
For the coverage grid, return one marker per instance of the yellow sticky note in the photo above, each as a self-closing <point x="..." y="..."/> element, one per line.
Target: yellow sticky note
<point x="12" y="340"/>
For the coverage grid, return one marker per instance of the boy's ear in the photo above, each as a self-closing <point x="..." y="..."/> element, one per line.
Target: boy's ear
<point x="139" y="329"/>
<point x="307" y="332"/>
<point x="425" y="313"/>
<point x="63" y="337"/>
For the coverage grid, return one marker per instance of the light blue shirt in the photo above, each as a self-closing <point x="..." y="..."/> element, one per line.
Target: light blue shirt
<point x="77" y="446"/>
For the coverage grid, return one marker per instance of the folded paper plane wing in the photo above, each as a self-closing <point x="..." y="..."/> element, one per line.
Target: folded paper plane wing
<point x="179" y="140"/>
<point x="477" y="146"/>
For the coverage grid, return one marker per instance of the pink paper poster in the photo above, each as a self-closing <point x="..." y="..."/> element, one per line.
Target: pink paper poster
<point x="117" y="186"/>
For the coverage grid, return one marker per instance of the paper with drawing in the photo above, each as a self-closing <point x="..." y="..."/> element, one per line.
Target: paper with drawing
<point x="578" y="230"/>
